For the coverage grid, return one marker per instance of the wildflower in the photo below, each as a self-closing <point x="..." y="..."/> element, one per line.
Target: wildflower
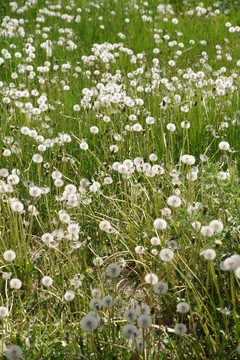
<point x="166" y="212"/>
<point x="130" y="331"/>
<point x="113" y="270"/>
<point x="188" y="159"/>
<point x="69" y="295"/>
<point x="196" y="225"/>
<point x="155" y="241"/>
<point x="37" y="158"/>
<point x="207" y="231"/>
<point x="15" y="284"/>
<point x="9" y="255"/>
<point x="224" y="145"/>
<point x="151" y="278"/>
<point x="14" y="352"/>
<point x="130" y="315"/>
<point x="98" y="261"/>
<point x="209" y="254"/>
<point x="96" y="293"/>
<point x="17" y="206"/>
<point x="84" y="145"/>
<point x="166" y="255"/>
<point x="183" y="307"/>
<point x="237" y="272"/>
<point x="231" y="263"/>
<point x="13" y="179"/>
<point x="224" y="311"/>
<point x="47" y="238"/>
<point x="217" y="226"/>
<point x="34" y="191"/>
<point x="96" y="304"/>
<point x="172" y="244"/>
<point x="174" y="201"/>
<point x="143" y="309"/>
<point x="122" y="169"/>
<point x="185" y="124"/>
<point x="107" y="301"/>
<point x="89" y="323"/>
<point x="139" y="250"/>
<point x="180" y="329"/>
<point x="105" y="225"/>
<point x="140" y="345"/>
<point x="47" y="281"/>
<point x="3" y="312"/>
<point x="159" y="224"/>
<point x="144" y="321"/>
<point x="160" y="288"/>
<point x="171" y="127"/>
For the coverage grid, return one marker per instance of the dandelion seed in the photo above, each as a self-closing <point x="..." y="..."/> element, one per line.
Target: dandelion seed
<point x="14" y="352"/>
<point x="107" y="301"/>
<point x="183" y="307"/>
<point x="217" y="226"/>
<point x="104" y="225"/>
<point x="209" y="254"/>
<point x="155" y="241"/>
<point x="171" y="127"/>
<point x="207" y="231"/>
<point x="166" y="255"/>
<point x="34" y="191"/>
<point x="180" y="329"/>
<point x="96" y="293"/>
<point x="37" y="158"/>
<point x="188" y="159"/>
<point x="47" y="281"/>
<point x="89" y="323"/>
<point x="174" y="201"/>
<point x="96" y="304"/>
<point x="151" y="278"/>
<point x="160" y="224"/>
<point x="224" y="145"/>
<point x="144" y="321"/>
<point x="113" y="270"/>
<point x="98" y="261"/>
<point x="130" y="315"/>
<point x="237" y="272"/>
<point x="130" y="331"/>
<point x="3" y="312"/>
<point x="17" y="206"/>
<point x="9" y="255"/>
<point x="160" y="288"/>
<point x="139" y="250"/>
<point x="69" y="295"/>
<point x="15" y="284"/>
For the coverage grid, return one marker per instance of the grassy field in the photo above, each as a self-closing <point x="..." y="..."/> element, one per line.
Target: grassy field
<point x="119" y="180"/>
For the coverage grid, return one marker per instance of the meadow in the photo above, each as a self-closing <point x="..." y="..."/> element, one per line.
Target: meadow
<point x="119" y="180"/>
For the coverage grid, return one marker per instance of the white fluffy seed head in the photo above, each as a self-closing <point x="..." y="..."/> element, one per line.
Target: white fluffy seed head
<point x="160" y="224"/>
<point x="15" y="284"/>
<point x="69" y="295"/>
<point x="209" y="254"/>
<point x="151" y="278"/>
<point x="3" y="313"/>
<point x="183" y="307"/>
<point x="224" y="145"/>
<point x="166" y="255"/>
<point x="217" y="225"/>
<point x="9" y="255"/>
<point x="47" y="281"/>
